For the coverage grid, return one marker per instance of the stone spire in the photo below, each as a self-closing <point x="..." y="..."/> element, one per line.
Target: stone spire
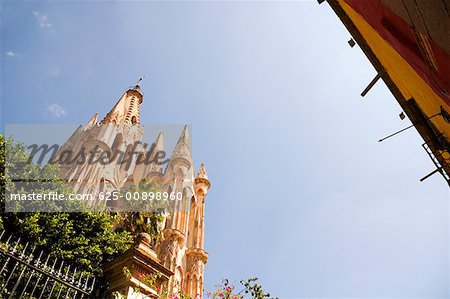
<point x="127" y="109"/>
<point x="93" y="121"/>
<point x="159" y="143"/>
<point x="183" y="148"/>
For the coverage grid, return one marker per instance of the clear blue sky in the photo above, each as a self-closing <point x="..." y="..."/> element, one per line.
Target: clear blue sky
<point x="302" y="194"/>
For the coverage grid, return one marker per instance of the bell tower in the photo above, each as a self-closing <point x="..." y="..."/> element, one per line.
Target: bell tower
<point x="117" y="132"/>
<point x="127" y="109"/>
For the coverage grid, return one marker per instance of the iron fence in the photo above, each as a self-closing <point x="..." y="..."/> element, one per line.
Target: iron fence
<point x="29" y="273"/>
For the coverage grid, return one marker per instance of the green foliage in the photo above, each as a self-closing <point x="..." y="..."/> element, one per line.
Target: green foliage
<point x="2" y="175"/>
<point x="89" y="239"/>
<point x="144" y="215"/>
<point x="85" y="239"/>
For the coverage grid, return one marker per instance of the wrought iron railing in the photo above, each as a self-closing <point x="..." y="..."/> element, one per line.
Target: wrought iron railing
<point x="28" y="273"/>
<point x="441" y="162"/>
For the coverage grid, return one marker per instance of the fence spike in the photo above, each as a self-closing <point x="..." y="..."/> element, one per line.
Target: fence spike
<point x="73" y="276"/>
<point x="24" y="249"/>
<point x="38" y="263"/>
<point x="27" y="270"/>
<point x="79" y="284"/>
<point x="67" y="272"/>
<point x="60" y="268"/>
<point x="7" y="241"/>
<point x="53" y="267"/>
<point x="85" y="284"/>
<point x="15" y="246"/>
<point x="39" y="257"/>
<point x="92" y="285"/>
<point x="32" y="253"/>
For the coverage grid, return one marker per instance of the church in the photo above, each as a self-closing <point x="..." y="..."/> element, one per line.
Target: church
<point x="181" y="248"/>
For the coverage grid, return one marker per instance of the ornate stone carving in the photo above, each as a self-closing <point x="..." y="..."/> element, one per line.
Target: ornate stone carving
<point x="196" y="260"/>
<point x="120" y="129"/>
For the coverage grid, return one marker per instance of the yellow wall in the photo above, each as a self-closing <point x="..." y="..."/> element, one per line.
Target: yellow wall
<point x="410" y="84"/>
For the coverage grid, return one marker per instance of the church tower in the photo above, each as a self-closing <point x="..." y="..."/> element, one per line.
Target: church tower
<point x="181" y="249"/>
<point x="118" y="132"/>
<point x="127" y="109"/>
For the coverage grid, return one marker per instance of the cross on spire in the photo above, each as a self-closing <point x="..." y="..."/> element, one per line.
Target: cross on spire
<point x="140" y="80"/>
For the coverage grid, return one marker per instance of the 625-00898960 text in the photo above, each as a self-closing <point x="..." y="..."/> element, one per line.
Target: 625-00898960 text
<point x="114" y="195"/>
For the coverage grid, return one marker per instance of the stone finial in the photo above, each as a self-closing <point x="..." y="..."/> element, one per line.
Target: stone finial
<point x="92" y="121"/>
<point x="202" y="172"/>
<point x="202" y="178"/>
